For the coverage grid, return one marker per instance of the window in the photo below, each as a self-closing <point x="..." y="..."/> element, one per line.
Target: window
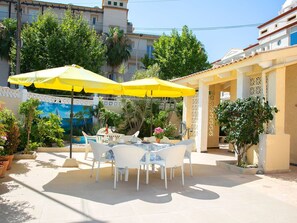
<point x="94" y="20"/>
<point x="291" y="18"/>
<point x="279" y="42"/>
<point x="3" y="12"/>
<point x="121" y="4"/>
<point x="264" y="31"/>
<point x="149" y="51"/>
<point x="109" y="2"/>
<point x="293" y="36"/>
<point x="115" y="3"/>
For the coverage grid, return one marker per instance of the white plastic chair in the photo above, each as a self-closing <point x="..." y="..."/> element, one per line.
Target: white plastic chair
<point x="171" y="157"/>
<point x="125" y="138"/>
<point x="136" y="134"/>
<point x="127" y="157"/>
<point x="99" y="151"/>
<point x="88" y="139"/>
<point x="189" y="143"/>
<point x="165" y="140"/>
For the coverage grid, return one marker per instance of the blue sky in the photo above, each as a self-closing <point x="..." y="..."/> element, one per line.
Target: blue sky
<point x="199" y="14"/>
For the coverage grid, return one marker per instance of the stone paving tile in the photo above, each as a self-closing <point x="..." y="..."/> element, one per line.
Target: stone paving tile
<point x="42" y="191"/>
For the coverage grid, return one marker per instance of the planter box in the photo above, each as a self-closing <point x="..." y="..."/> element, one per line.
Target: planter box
<point x="274" y="153"/>
<point x="231" y="165"/>
<point x="19" y="156"/>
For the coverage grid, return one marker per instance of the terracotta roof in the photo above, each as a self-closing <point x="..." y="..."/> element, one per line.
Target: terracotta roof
<point x="215" y="67"/>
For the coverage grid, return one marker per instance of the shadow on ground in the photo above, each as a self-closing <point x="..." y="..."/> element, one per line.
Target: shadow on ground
<point x="78" y="183"/>
<point x="14" y="212"/>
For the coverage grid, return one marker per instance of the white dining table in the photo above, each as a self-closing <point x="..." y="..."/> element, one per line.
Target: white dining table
<point x="150" y="155"/>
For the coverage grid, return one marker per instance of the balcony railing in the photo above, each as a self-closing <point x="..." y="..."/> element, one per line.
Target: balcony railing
<point x="26" y="18"/>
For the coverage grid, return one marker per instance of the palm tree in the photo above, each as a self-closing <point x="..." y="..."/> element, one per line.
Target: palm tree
<point x="7" y="33"/>
<point x="118" y="48"/>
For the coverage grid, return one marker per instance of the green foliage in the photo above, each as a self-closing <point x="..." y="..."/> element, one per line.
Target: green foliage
<point x="50" y="131"/>
<point x="118" y="47"/>
<point x="7" y="34"/>
<point x="28" y="110"/>
<point x="243" y="121"/>
<point x="179" y="55"/>
<point x="48" y="43"/>
<point x="147" y="62"/>
<point x="152" y="71"/>
<point x="179" y="109"/>
<point x="134" y="114"/>
<point x="162" y="119"/>
<point x="11" y="131"/>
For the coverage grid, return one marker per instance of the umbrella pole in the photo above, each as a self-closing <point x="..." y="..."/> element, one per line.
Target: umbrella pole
<point x="71" y="127"/>
<point x="151" y="116"/>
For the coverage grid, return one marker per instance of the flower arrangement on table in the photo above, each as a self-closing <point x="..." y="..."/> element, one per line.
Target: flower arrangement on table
<point x="159" y="133"/>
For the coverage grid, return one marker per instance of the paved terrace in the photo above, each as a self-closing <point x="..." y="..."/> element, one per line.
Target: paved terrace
<point x="42" y="191"/>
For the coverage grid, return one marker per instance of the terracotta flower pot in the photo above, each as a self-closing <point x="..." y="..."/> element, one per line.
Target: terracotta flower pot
<point x="158" y="140"/>
<point x="3" y="163"/>
<point x="10" y="158"/>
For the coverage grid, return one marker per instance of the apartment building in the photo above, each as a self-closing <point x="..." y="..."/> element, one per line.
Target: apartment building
<point x="113" y="13"/>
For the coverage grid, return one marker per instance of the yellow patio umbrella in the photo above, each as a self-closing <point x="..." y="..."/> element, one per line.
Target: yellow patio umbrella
<point x="155" y="88"/>
<point x="68" y="78"/>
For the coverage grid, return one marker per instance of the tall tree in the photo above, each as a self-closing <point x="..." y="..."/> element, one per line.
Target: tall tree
<point x="7" y="34"/>
<point x="179" y="55"/>
<point x="47" y="43"/>
<point x="118" y="48"/>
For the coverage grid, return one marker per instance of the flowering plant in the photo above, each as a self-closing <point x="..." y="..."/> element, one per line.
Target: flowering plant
<point x="159" y="133"/>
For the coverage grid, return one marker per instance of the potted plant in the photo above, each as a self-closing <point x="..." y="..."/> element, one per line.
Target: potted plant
<point x="159" y="134"/>
<point x="11" y="138"/>
<point x="243" y="121"/>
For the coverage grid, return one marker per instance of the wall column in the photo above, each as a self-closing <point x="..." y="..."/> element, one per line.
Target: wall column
<point x="243" y="84"/>
<point x="201" y="138"/>
<point x="274" y="148"/>
<point x="187" y="114"/>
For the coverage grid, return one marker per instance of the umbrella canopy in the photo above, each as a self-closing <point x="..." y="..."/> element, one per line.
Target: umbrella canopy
<point x="68" y="78"/>
<point x="154" y="87"/>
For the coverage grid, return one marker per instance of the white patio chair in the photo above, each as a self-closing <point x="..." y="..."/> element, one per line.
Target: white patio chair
<point x="171" y="157"/>
<point x="88" y="139"/>
<point x="165" y="140"/>
<point x="189" y="143"/>
<point x="127" y="157"/>
<point x="136" y="134"/>
<point x="99" y="151"/>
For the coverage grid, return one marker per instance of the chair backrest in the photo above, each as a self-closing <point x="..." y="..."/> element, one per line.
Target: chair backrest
<point x="173" y="156"/>
<point x="124" y="138"/>
<point x="127" y="156"/>
<point x="189" y="143"/>
<point x="165" y="140"/>
<point x="151" y="139"/>
<point x="98" y="149"/>
<point x="136" y="134"/>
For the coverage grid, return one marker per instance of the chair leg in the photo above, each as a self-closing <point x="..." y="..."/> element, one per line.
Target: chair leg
<point x="138" y="179"/>
<point x="92" y="168"/>
<point x="165" y="176"/>
<point x="191" y="169"/>
<point x="97" y="172"/>
<point x="162" y="172"/>
<point x="182" y="172"/>
<point x="112" y="164"/>
<point x="115" y="176"/>
<point x="126" y="174"/>
<point x="147" y="174"/>
<point x="171" y="173"/>
<point x="86" y="151"/>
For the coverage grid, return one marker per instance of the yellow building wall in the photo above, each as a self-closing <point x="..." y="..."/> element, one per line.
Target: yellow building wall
<point x="213" y="130"/>
<point x="291" y="110"/>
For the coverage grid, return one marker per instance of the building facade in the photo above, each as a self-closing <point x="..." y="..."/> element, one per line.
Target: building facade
<point x="267" y="69"/>
<point x="113" y="13"/>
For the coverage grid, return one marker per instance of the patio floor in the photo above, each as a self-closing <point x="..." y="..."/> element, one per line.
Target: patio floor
<point x="42" y="191"/>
